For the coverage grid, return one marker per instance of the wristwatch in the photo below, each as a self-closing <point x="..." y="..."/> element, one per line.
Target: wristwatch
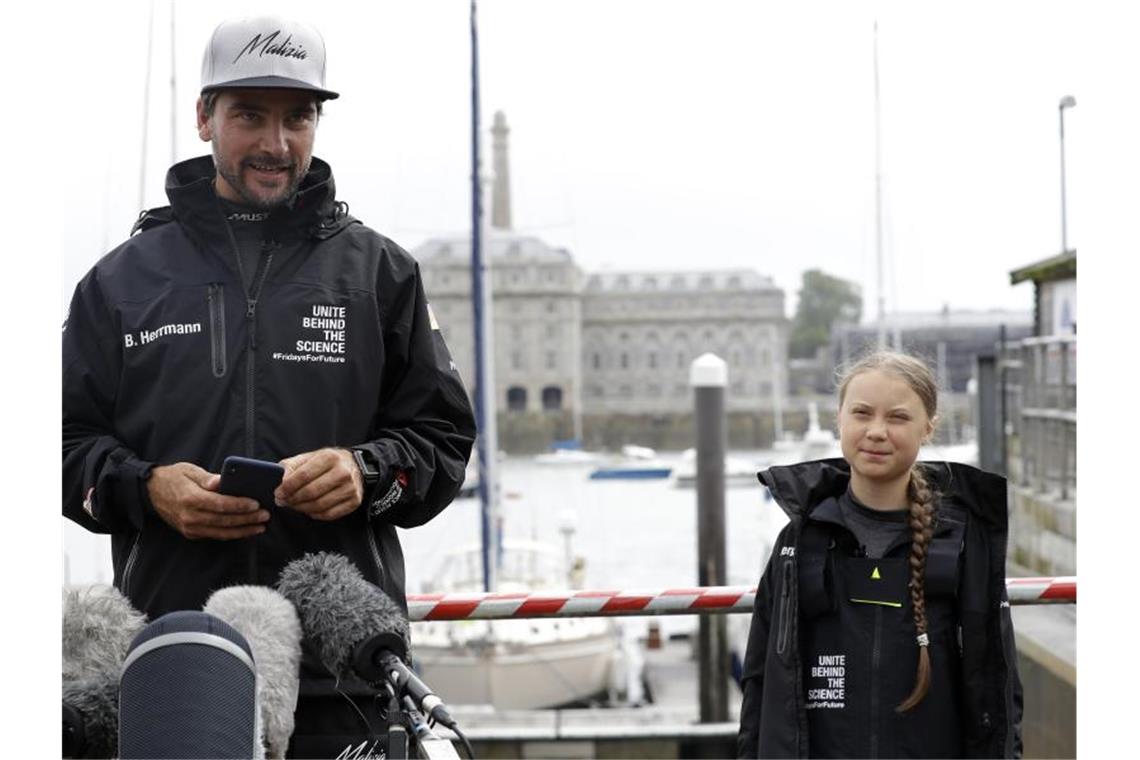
<point x="370" y="471"/>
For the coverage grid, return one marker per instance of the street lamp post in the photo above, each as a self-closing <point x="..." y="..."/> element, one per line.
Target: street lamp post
<point x="1066" y="102"/>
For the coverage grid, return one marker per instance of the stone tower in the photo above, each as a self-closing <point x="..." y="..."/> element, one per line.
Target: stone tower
<point x="501" y="190"/>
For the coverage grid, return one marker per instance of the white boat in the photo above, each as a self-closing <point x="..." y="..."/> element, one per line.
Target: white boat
<point x="568" y="457"/>
<point x="516" y="664"/>
<point x="816" y="443"/>
<point x="737" y="471"/>
<point x="966" y="453"/>
<point x="635" y="463"/>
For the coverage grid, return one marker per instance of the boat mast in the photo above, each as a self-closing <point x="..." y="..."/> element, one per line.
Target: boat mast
<point x="486" y="441"/>
<point x="173" y="93"/>
<point x="882" y="320"/>
<point x="146" y="107"/>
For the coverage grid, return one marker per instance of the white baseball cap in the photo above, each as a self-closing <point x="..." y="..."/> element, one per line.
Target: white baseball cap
<point x="266" y="51"/>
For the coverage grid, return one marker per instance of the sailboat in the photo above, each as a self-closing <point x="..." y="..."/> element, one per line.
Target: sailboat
<point x="510" y="664"/>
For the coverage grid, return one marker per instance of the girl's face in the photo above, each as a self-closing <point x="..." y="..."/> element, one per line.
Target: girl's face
<point x="882" y="424"/>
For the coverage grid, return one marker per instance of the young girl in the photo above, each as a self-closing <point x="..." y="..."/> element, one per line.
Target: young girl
<point x="881" y="626"/>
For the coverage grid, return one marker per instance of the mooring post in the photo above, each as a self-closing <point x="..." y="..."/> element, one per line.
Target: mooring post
<point x="709" y="376"/>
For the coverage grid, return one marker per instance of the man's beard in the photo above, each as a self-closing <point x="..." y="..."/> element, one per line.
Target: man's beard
<point x="296" y="174"/>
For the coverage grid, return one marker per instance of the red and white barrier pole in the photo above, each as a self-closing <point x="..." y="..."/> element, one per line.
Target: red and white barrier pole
<point x="675" y="601"/>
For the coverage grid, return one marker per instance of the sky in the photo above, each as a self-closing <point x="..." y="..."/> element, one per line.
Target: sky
<point x="663" y="135"/>
<point x="645" y="135"/>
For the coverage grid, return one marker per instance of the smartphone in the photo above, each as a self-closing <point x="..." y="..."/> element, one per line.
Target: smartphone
<point x="253" y="478"/>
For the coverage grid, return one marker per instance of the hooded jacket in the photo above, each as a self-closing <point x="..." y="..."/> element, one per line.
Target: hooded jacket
<point x="168" y="357"/>
<point x="975" y="667"/>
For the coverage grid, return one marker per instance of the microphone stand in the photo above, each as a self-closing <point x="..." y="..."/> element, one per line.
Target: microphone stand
<point x="403" y="717"/>
<point x="397" y="738"/>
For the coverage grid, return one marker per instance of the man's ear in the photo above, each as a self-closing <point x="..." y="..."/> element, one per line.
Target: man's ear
<point x="205" y="128"/>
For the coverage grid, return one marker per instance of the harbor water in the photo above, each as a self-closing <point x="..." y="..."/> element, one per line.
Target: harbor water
<point x="632" y="534"/>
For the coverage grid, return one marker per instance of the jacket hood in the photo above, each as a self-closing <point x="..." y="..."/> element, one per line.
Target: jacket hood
<point x="798" y="488"/>
<point x="312" y="212"/>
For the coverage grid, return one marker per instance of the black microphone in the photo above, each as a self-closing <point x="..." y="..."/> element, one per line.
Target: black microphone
<point x="189" y="689"/>
<point x="91" y="716"/>
<point x="356" y="627"/>
<point x="270" y="624"/>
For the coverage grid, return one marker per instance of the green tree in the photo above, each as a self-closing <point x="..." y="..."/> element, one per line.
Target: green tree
<point x="824" y="301"/>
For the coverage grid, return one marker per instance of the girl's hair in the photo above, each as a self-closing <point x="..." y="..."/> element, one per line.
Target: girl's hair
<point x="920" y="496"/>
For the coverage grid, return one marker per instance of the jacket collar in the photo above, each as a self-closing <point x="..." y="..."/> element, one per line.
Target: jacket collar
<point x="800" y="488"/>
<point x="312" y="212"/>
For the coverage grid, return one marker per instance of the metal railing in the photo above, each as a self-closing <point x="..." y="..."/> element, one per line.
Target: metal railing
<point x="1042" y="401"/>
<point x="674" y="601"/>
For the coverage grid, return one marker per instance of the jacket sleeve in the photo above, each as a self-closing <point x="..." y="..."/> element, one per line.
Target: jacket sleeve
<point x="425" y="428"/>
<point x="1014" y="697"/>
<point x="104" y="483"/>
<point x="752" y="679"/>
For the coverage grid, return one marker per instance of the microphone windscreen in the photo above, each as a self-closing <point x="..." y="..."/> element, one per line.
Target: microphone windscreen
<point x="270" y="624"/>
<point x="189" y="689"/>
<point x="341" y="611"/>
<point x="98" y="626"/>
<point x="91" y="716"/>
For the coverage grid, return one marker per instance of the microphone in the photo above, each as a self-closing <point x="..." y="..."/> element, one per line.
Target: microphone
<point x="356" y="627"/>
<point x="270" y="624"/>
<point x="189" y="689"/>
<point x="91" y="716"/>
<point x="98" y="626"/>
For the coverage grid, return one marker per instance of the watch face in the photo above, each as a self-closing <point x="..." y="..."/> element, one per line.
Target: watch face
<point x="369" y="472"/>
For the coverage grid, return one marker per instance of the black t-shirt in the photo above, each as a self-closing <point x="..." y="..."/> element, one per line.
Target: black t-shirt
<point x="875" y="529"/>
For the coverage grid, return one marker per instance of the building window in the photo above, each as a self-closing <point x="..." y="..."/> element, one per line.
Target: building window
<point x="516" y="399"/>
<point x="516" y="360"/>
<point x="625" y="361"/>
<point x="552" y="360"/>
<point x="597" y="361"/>
<point x="552" y="398"/>
<point x="652" y="359"/>
<point x="551" y="306"/>
<point x="625" y="391"/>
<point x="680" y="360"/>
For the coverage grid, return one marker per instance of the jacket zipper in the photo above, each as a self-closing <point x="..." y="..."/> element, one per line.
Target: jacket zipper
<point x="130" y="565"/>
<point x="216" y="299"/>
<point x="785" y="612"/>
<point x="375" y="552"/>
<point x="876" y="652"/>
<point x="250" y="376"/>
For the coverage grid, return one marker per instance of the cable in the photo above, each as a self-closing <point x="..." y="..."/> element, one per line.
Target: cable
<point x="466" y="744"/>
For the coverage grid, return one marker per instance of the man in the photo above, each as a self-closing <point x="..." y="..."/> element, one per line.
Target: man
<point x="253" y="316"/>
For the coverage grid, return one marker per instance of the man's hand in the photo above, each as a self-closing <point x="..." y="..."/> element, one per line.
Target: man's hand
<point x="186" y="497"/>
<point x="324" y="484"/>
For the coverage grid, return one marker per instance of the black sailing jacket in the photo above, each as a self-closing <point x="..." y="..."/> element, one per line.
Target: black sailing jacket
<point x="167" y="358"/>
<point x="798" y="625"/>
